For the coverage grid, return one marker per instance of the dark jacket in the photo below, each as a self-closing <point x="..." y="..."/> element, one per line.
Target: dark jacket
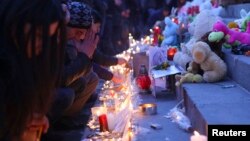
<point x="102" y="72"/>
<point x="77" y="64"/>
<point x="104" y="60"/>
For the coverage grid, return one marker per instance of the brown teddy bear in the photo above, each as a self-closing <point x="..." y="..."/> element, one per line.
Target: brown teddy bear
<point x="216" y="47"/>
<point x="213" y="66"/>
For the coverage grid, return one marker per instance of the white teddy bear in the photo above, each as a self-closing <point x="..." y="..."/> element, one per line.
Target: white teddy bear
<point x="213" y="66"/>
<point x="202" y="24"/>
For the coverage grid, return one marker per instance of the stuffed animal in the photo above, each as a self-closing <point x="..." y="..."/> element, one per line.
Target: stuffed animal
<point x="242" y="22"/>
<point x="233" y="36"/>
<point x="188" y="78"/>
<point x="213" y="66"/>
<point x="169" y="33"/>
<point x="233" y="25"/>
<point x="194" y="68"/>
<point x="202" y="24"/>
<point x="215" y="41"/>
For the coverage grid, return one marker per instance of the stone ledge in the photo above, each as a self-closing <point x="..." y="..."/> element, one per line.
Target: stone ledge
<point x="209" y="104"/>
<point x="238" y="68"/>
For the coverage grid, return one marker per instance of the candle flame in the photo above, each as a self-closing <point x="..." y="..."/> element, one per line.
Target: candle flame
<point x="196" y="133"/>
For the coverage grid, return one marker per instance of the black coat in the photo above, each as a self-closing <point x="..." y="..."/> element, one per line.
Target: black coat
<point x="77" y="64"/>
<point x="102" y="72"/>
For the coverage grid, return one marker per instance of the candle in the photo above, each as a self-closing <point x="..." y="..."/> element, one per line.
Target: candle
<point x="198" y="137"/>
<point x="111" y="121"/>
<point x="130" y="135"/>
<point x="171" y="52"/>
<point x="103" y="123"/>
<point x="96" y="111"/>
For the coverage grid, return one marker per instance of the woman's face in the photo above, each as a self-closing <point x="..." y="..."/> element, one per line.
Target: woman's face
<point x="38" y="39"/>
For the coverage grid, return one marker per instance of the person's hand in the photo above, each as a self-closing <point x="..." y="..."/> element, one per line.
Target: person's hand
<point x="122" y="61"/>
<point x="37" y="122"/>
<point x="117" y="79"/>
<point x="37" y="125"/>
<point x="89" y="44"/>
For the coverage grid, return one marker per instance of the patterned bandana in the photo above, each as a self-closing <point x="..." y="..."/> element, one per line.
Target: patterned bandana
<point x="80" y="15"/>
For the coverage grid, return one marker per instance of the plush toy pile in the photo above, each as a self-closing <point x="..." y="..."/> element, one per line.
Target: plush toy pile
<point x="206" y="19"/>
<point x="202" y="55"/>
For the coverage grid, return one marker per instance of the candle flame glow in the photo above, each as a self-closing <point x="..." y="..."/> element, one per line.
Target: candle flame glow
<point x="196" y="133"/>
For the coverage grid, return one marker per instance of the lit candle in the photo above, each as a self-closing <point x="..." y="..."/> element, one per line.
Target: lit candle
<point x="111" y="121"/>
<point x="96" y="111"/>
<point x="171" y="52"/>
<point x="130" y="135"/>
<point x="198" y="137"/>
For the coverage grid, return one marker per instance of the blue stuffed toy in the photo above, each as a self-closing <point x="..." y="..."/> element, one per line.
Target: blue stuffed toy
<point x="169" y="33"/>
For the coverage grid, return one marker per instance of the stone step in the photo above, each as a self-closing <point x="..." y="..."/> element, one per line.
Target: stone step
<point x="238" y="68"/>
<point x="210" y="103"/>
<point x="233" y="11"/>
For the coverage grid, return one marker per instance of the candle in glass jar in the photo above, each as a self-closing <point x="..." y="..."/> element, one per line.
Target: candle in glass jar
<point x="198" y="137"/>
<point x="171" y="52"/>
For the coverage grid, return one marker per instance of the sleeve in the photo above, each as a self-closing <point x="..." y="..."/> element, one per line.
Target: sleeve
<point x="103" y="59"/>
<point x="102" y="72"/>
<point x="75" y="67"/>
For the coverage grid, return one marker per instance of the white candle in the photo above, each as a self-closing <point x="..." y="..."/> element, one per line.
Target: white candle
<point x="111" y="121"/>
<point x="198" y="137"/>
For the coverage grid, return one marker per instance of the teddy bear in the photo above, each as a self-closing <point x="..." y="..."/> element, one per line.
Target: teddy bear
<point x="232" y="35"/>
<point x="169" y="33"/>
<point x="188" y="78"/>
<point x="213" y="66"/>
<point x="202" y="24"/>
<point x="215" y="40"/>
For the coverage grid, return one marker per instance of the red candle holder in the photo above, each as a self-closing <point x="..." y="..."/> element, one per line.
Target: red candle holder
<point x="103" y="123"/>
<point x="171" y="52"/>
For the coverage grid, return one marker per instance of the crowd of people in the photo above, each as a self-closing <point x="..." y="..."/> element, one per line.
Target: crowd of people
<point x="54" y="52"/>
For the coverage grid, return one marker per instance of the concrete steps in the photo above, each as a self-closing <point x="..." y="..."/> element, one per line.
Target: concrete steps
<point x="210" y="103"/>
<point x="238" y="68"/>
<point x="232" y="12"/>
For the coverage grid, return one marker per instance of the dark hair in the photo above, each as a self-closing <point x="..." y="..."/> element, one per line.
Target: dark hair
<point x="32" y="72"/>
<point x="97" y="18"/>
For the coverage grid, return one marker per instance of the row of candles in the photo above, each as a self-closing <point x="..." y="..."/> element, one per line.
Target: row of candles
<point x="114" y="115"/>
<point x="108" y="119"/>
